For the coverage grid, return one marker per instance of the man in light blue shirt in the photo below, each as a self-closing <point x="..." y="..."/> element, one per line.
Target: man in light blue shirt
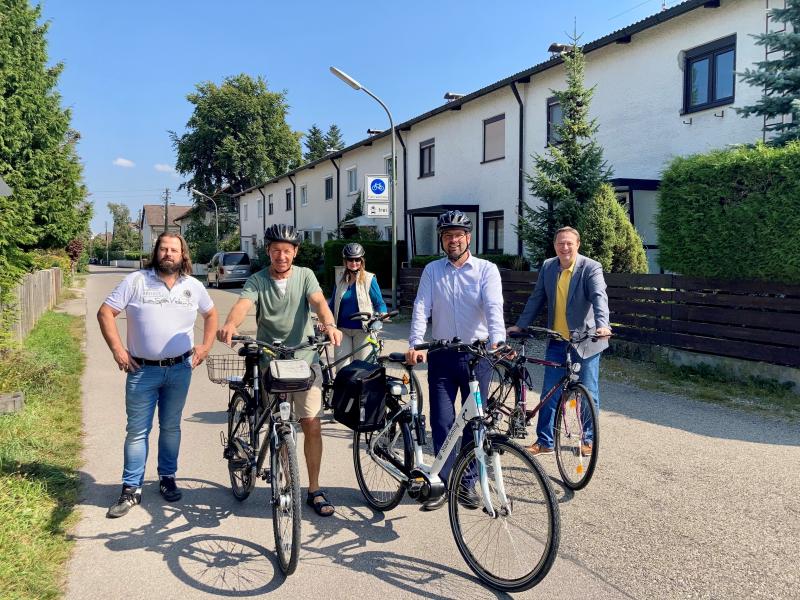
<point x="463" y="297"/>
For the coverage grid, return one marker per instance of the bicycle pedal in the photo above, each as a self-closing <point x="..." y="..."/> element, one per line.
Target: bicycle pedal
<point x="265" y="474"/>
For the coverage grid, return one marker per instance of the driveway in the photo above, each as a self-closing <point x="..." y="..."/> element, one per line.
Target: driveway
<point x="690" y="500"/>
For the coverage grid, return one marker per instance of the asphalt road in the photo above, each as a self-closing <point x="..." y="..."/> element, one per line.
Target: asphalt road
<point x="690" y="500"/>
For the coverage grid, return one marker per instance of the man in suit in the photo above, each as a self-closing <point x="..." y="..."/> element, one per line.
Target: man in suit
<point x="574" y="290"/>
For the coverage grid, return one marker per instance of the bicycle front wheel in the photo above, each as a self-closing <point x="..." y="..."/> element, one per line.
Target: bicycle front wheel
<point x="286" y="512"/>
<point x="381" y="490"/>
<point x="240" y="449"/>
<point x="513" y="550"/>
<point x="576" y="437"/>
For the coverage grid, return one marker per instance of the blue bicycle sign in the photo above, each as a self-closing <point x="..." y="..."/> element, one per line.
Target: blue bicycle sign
<point x="378" y="186"/>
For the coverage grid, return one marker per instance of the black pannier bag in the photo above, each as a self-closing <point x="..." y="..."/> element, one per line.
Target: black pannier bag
<point x="285" y="376"/>
<point x="359" y="396"/>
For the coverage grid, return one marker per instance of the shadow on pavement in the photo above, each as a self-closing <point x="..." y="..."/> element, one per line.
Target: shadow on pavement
<point x="219" y="564"/>
<point x="213" y="417"/>
<point x="366" y="527"/>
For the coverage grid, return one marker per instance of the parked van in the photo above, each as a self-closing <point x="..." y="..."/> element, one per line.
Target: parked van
<point x="228" y="267"/>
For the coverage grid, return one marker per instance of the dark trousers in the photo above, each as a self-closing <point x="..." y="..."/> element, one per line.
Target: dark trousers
<point x="448" y="373"/>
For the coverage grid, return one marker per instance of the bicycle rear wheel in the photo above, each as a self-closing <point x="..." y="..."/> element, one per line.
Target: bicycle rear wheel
<point x="286" y="511"/>
<point x="392" y="444"/>
<point x="240" y="449"/>
<point x="576" y="437"/>
<point x="514" y="550"/>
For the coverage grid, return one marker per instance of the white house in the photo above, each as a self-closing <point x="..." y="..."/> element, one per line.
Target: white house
<point x="664" y="87"/>
<point x="151" y="222"/>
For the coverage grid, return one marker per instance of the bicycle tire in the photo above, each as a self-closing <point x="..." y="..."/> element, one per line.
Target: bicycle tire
<point x="286" y="511"/>
<point x="382" y="491"/>
<point x="575" y="413"/>
<point x="240" y="427"/>
<point x="501" y="400"/>
<point x="530" y="530"/>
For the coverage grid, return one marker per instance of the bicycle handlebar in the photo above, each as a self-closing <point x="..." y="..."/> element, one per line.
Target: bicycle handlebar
<point x="278" y="348"/>
<point x="478" y="347"/>
<point x="377" y="316"/>
<point x="532" y="330"/>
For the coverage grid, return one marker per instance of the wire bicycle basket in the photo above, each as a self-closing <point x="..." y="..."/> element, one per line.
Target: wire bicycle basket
<point x="224" y="368"/>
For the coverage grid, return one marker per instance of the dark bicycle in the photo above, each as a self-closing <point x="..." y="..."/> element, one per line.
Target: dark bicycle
<point x="374" y="325"/>
<point x="576" y="430"/>
<point x="260" y="421"/>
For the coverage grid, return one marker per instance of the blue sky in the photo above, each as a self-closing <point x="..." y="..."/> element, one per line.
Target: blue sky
<point x="130" y="65"/>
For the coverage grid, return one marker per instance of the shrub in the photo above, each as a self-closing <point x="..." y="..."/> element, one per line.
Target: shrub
<point x="508" y="261"/>
<point x="608" y="236"/>
<point x="732" y="214"/>
<point x="420" y="260"/>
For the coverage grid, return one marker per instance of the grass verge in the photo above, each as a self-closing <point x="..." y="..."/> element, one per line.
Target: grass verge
<point x="704" y="383"/>
<point x="40" y="457"/>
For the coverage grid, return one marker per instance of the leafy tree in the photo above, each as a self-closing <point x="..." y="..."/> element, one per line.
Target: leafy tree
<point x="571" y="171"/>
<point x="356" y="210"/>
<point x="780" y="77"/>
<point x="333" y="139"/>
<point x="201" y="237"/>
<point x="315" y="144"/>
<point x="237" y="136"/>
<point x="124" y="237"/>
<point x="37" y="152"/>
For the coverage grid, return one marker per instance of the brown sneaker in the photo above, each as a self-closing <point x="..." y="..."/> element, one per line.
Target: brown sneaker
<point x="537" y="449"/>
<point x="586" y="449"/>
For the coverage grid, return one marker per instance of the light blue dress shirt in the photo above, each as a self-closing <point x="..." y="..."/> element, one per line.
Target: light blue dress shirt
<point x="465" y="302"/>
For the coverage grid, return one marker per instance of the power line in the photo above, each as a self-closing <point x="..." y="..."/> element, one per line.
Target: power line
<point x="632" y="8"/>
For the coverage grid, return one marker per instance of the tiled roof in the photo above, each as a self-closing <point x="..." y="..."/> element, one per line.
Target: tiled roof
<point x="154" y="214"/>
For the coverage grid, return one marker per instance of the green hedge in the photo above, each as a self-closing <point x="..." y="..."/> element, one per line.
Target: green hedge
<point x="378" y="258"/>
<point x="732" y="214"/>
<point x="503" y="261"/>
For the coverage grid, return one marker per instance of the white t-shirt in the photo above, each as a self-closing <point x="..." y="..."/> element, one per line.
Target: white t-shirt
<point x="160" y="320"/>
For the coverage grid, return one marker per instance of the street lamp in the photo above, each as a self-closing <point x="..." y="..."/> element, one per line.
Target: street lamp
<point x="392" y="176"/>
<point x="216" y="216"/>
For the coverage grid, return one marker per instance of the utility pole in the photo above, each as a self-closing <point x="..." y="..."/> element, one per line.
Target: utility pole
<point x="166" y="209"/>
<point x="107" y="244"/>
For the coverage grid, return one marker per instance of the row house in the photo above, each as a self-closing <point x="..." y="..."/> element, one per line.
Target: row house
<point x="665" y="86"/>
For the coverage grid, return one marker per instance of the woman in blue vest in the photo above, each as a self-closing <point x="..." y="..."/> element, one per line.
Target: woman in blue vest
<point x="356" y="290"/>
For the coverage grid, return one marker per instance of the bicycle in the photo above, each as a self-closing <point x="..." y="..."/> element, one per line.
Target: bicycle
<point x="255" y="414"/>
<point x="503" y="512"/>
<point x="576" y="430"/>
<point x="374" y="325"/>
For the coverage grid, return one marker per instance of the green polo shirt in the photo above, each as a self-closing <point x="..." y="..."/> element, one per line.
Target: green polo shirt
<point x="285" y="317"/>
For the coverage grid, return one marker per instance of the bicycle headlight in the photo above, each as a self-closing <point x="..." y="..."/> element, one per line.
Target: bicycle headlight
<point x="576" y="367"/>
<point x="396" y="389"/>
<point x="376" y="326"/>
<point x="286" y="411"/>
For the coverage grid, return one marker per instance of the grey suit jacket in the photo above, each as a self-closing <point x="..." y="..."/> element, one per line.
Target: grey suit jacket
<point x="587" y="302"/>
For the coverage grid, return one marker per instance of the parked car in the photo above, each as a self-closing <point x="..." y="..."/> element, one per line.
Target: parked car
<point x="94" y="261"/>
<point x="228" y="267"/>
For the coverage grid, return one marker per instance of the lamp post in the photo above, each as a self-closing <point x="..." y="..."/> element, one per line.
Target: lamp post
<point x="216" y="216"/>
<point x="392" y="176"/>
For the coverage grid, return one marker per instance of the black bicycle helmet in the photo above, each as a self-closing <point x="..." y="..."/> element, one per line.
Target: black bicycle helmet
<point x="353" y="250"/>
<point x="282" y="233"/>
<point x="454" y="219"/>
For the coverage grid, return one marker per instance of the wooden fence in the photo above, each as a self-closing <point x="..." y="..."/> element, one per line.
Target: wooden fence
<point x="37" y="294"/>
<point x="740" y="319"/>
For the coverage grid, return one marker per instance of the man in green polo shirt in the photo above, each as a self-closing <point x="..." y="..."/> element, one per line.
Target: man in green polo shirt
<point x="284" y="296"/>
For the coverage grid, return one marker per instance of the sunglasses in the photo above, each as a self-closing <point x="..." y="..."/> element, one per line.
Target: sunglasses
<point x="358" y="260"/>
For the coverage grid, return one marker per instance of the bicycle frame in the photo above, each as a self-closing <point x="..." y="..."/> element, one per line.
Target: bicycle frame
<point x="471" y="412"/>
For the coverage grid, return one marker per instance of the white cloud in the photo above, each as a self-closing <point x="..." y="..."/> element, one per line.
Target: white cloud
<point x="124" y="162"/>
<point x="163" y="168"/>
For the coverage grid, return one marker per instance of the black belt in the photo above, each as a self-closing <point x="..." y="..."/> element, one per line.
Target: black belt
<point x="164" y="362"/>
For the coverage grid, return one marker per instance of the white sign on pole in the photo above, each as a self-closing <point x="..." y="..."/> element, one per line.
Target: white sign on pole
<point x="377" y="196"/>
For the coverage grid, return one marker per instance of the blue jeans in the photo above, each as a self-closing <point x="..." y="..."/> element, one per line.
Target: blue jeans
<point x="448" y="372"/>
<point x="150" y="386"/>
<point x="589" y="376"/>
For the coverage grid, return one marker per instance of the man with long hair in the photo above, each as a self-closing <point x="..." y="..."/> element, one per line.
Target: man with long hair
<point x="161" y="305"/>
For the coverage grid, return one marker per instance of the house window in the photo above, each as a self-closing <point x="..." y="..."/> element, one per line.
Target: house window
<point x="329" y="188"/>
<point x="270" y="206"/>
<point x="288" y="198"/>
<point x="493" y="232"/>
<point x="260" y="209"/>
<point x="494" y="138"/>
<point x="387" y="166"/>
<point x="427" y="158"/>
<point x="244" y="211"/>
<point x="555" y="117"/>
<point x="304" y="196"/>
<point x="246" y="246"/>
<point x="709" y="75"/>
<point x="352" y="180"/>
